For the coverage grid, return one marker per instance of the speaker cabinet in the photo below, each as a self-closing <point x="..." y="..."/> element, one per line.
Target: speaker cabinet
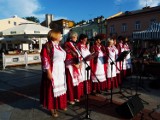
<point x="131" y="107"/>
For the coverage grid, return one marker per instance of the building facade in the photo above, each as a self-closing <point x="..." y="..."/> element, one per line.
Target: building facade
<point x="126" y="23"/>
<point x="91" y="28"/>
<point x="12" y="22"/>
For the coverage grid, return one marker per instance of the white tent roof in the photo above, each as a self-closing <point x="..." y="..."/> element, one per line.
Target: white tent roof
<point x="34" y="29"/>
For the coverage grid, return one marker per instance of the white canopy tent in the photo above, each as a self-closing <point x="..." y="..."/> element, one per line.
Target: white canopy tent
<point x="27" y="33"/>
<point x="152" y="33"/>
<point x="27" y="29"/>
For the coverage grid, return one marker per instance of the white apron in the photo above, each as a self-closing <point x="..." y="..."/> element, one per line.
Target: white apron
<point x="112" y="55"/>
<point x="100" y="73"/>
<point x="58" y="72"/>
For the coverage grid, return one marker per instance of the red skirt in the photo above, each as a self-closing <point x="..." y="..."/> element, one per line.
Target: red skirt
<point x="111" y="83"/>
<point x="99" y="86"/>
<point x="118" y="79"/>
<point x="86" y="87"/>
<point x="47" y="98"/>
<point x="73" y="92"/>
<point x="126" y="73"/>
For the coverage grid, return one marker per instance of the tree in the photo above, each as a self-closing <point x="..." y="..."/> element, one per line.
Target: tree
<point x="32" y="18"/>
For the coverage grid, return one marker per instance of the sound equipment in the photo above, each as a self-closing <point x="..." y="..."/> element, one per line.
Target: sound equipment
<point x="130" y="108"/>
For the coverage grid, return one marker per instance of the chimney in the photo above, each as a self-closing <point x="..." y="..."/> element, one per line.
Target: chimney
<point x="49" y="18"/>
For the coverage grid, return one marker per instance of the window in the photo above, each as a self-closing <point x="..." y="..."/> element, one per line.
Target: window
<point x="90" y="33"/>
<point x="36" y="31"/>
<point x="15" y="23"/>
<point x="65" y="24"/>
<point x="137" y="25"/>
<point x="9" y="46"/>
<point x="112" y="29"/>
<point x="100" y="29"/>
<point x="13" y="32"/>
<point x="124" y="27"/>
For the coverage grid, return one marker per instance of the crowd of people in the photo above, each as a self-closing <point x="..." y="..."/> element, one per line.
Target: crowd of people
<point x="77" y="69"/>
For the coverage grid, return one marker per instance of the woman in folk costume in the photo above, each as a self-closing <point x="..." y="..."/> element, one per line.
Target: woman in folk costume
<point x="98" y="66"/>
<point x="111" y="68"/>
<point x="117" y="63"/>
<point x="53" y="84"/>
<point x="73" y="66"/>
<point x="84" y="49"/>
<point x="127" y="61"/>
<point x="121" y="63"/>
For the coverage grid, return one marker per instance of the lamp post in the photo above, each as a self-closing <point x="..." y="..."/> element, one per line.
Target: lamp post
<point x="100" y="23"/>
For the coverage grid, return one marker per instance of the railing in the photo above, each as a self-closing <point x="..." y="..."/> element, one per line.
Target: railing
<point x="20" y="59"/>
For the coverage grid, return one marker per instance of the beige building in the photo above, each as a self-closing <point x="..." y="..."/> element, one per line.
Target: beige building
<point x="15" y="31"/>
<point x="12" y="22"/>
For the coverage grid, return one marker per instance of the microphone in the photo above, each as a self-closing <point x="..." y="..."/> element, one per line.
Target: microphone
<point x="74" y="43"/>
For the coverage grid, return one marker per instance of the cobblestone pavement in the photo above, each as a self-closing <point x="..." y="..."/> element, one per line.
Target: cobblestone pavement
<point x="19" y="99"/>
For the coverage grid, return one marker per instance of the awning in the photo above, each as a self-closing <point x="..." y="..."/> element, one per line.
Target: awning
<point x="17" y="39"/>
<point x="153" y="32"/>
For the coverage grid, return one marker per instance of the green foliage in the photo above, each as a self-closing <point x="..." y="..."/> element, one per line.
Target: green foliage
<point x="32" y="18"/>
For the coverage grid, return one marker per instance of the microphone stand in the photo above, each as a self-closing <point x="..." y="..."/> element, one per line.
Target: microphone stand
<point x="86" y="83"/>
<point x="120" y="58"/>
<point x="112" y="63"/>
<point x="111" y="81"/>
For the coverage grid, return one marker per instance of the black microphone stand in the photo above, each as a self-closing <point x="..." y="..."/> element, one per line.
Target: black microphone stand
<point x="86" y="83"/>
<point x="112" y="63"/>
<point x="86" y="95"/>
<point x="111" y="80"/>
<point x="121" y="59"/>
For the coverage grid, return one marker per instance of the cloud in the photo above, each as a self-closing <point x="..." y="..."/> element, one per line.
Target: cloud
<point x="22" y="8"/>
<point x="152" y="3"/>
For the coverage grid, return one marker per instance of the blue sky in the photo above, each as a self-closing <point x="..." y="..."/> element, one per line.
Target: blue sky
<point x="75" y="10"/>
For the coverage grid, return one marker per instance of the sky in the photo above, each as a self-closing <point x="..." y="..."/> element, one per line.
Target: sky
<point x="75" y="10"/>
